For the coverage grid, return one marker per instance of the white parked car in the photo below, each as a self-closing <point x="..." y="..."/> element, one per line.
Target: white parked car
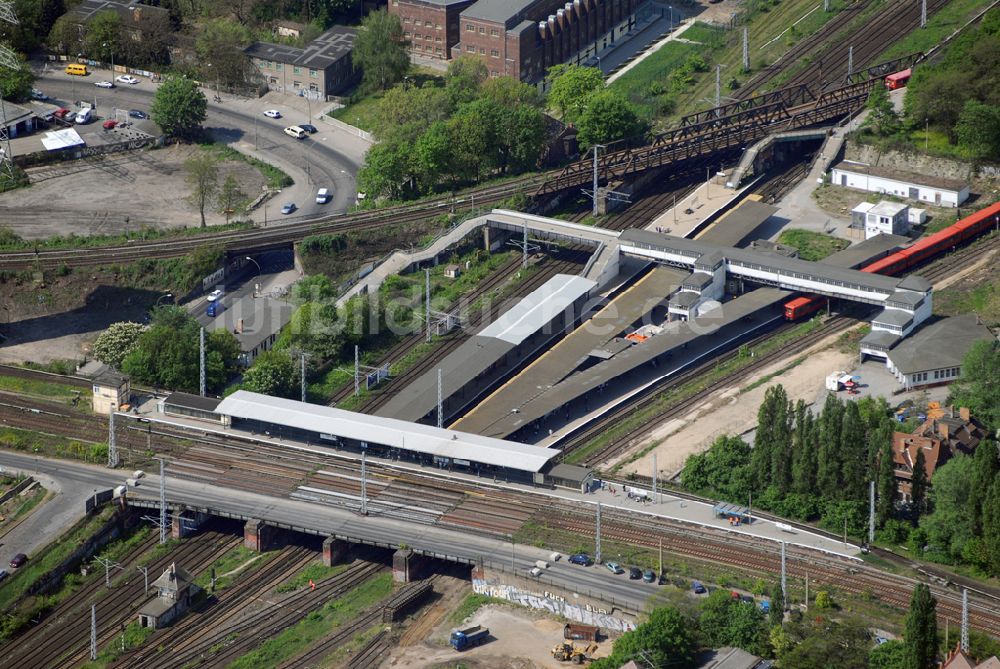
<point x="38" y="95"/>
<point x="214" y="295"/>
<point x="104" y="84"/>
<point x="272" y="113"/>
<point x="126" y="79"/>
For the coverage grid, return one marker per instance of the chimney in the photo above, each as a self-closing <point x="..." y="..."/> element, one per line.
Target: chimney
<point x="964" y="413"/>
<point x="951" y="410"/>
<point x="543" y="28"/>
<point x="173" y="572"/>
<point x="943" y="429"/>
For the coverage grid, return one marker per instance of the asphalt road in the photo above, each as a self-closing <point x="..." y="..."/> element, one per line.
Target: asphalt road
<point x="313" y="162"/>
<point x="78" y="480"/>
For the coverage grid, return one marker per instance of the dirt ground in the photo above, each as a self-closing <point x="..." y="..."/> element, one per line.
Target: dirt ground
<point x="520" y="638"/>
<point x="731" y="412"/>
<point x="57" y="319"/>
<point x="840" y="201"/>
<point x="98" y="196"/>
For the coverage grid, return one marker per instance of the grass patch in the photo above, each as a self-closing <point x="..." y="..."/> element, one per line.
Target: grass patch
<point x="316" y="625"/>
<point x="643" y="84"/>
<point x="673" y="395"/>
<point x="314" y="572"/>
<point x="235" y="559"/>
<point x="472" y="603"/>
<point x="765" y="379"/>
<point x="357" y="642"/>
<point x="45" y="389"/>
<point x="223" y="152"/>
<point x="939" y="25"/>
<point x="979" y="293"/>
<point x="360" y="113"/>
<point x="812" y="245"/>
<point x="133" y="637"/>
<point x="52" y="446"/>
<point x="9" y="241"/>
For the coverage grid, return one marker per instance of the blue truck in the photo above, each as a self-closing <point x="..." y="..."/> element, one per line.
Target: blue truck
<point x="467" y="637"/>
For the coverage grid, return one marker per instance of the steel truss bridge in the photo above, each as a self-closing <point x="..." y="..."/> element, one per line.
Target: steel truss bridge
<point x="733" y="125"/>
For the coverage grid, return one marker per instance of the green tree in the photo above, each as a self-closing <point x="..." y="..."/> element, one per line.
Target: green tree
<point x="991" y="527"/>
<point x="104" y="35"/>
<point x="15" y="84"/>
<point x="829" y="466"/>
<point x="882" y="118"/>
<point x="272" y="373"/>
<point x="230" y="197"/>
<point x="64" y="37"/>
<point x="721" y="470"/>
<point x="34" y="20"/>
<point x="889" y="655"/>
<point x="854" y="454"/>
<point x="952" y="524"/>
<point x="571" y="88"/>
<point x="465" y="76"/>
<point x="608" y="117"/>
<point x="978" y="130"/>
<point x="920" y="635"/>
<point x="179" y="107"/>
<point x="381" y="51"/>
<point x="116" y="342"/>
<point x="805" y="455"/>
<point x="826" y="643"/>
<point x="664" y="640"/>
<point x="404" y="113"/>
<point x="918" y="486"/>
<point x="776" y="613"/>
<point x="432" y="155"/>
<point x="771" y="460"/>
<point x="886" y="503"/>
<point x="977" y="388"/>
<point x="219" y="44"/>
<point x="984" y="471"/>
<point x="386" y="170"/>
<point x="202" y="175"/>
<point x="823" y="600"/>
<point x="473" y="135"/>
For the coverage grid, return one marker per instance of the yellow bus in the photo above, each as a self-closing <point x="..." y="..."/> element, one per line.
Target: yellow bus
<point x="78" y="69"/>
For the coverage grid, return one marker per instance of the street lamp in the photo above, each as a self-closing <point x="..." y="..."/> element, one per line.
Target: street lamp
<point x="161" y="297"/>
<point x="258" y="272"/>
<point x="105" y="45"/>
<point x="927" y="133"/>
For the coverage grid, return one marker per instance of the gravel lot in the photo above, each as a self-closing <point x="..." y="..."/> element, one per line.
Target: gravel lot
<point x="98" y="196"/>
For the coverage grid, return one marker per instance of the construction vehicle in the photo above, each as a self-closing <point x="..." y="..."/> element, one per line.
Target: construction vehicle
<point x="469" y="636"/>
<point x="575" y="654"/>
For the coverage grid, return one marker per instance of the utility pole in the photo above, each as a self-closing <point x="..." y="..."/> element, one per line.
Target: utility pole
<point x="826" y="5"/>
<point x="845" y="531"/>
<point x="746" y="49"/>
<point x="524" y="248"/>
<point x="93" y="631"/>
<point x="302" y="373"/>
<point x="597" y="536"/>
<point x="427" y="301"/>
<point x="784" y="581"/>
<point x="871" y="512"/>
<point x="923" y="13"/>
<point x="201" y="359"/>
<point x="163" y="503"/>
<point x="807" y="592"/>
<point x="850" y="60"/>
<point x="656" y="498"/>
<point x="108" y="564"/>
<point x="440" y="402"/>
<point x="145" y="577"/>
<point x="364" y="479"/>
<point x="965" y="618"/>
<point x="661" y="555"/>
<point x="594" y="211"/>
<point x="512" y="567"/>
<point x="112" y="449"/>
<point x="718" y="85"/>
<point x="357" y="372"/>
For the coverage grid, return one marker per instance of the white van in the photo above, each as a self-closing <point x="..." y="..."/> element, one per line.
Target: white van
<point x="295" y="131"/>
<point x="85" y="115"/>
<point x="322" y="196"/>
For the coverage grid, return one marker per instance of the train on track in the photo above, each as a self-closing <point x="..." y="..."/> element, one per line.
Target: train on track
<point x="923" y="250"/>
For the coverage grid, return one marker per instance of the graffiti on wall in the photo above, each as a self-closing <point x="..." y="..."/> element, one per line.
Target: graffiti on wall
<point x="547" y="601"/>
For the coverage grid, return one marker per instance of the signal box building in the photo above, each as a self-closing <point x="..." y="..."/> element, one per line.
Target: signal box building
<point x="524" y="38"/>
<point x="110" y="391"/>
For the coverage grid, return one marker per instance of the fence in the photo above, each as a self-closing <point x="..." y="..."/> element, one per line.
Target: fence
<point x="367" y="136"/>
<point x="76" y="153"/>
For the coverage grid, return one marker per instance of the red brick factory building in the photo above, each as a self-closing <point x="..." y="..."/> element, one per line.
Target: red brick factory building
<point x="518" y="38"/>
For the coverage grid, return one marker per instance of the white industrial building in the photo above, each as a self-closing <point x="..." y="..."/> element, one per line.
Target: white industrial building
<point x="939" y="191"/>
<point x="889" y="218"/>
<point x="934" y="354"/>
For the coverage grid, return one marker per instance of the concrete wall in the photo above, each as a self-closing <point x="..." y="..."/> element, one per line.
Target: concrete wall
<point x="909" y="162"/>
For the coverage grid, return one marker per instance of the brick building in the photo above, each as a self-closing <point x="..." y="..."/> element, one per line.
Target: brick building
<point x="940" y="439"/>
<point x="524" y="38"/>
<point x="323" y="67"/>
<point x="430" y="26"/>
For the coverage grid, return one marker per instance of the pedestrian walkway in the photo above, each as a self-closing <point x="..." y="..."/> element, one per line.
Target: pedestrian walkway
<point x="688" y="214"/>
<point x="652" y="49"/>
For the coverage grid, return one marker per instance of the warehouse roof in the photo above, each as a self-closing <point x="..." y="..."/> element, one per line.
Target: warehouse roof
<point x="538" y="309"/>
<point x="507" y="12"/>
<point x="319" y="54"/>
<point x="942" y="183"/>
<point x="385" y="431"/>
<point x="940" y="345"/>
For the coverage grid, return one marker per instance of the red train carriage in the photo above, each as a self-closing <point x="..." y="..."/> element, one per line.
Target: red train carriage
<point x="924" y="249"/>
<point x="898" y="80"/>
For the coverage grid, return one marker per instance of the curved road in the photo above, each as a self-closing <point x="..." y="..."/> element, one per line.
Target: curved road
<point x="329" y="158"/>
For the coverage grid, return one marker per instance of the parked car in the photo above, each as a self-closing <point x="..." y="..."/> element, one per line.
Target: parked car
<point x="135" y="113"/>
<point x="535" y="571"/>
<point x="288" y="208"/>
<point x="614" y="567"/>
<point x="85" y="115"/>
<point x="69" y="116"/>
<point x="126" y="79"/>
<point x="109" y="124"/>
<point x="698" y="588"/>
<point x="581" y="559"/>
<point x="634" y="573"/>
<point x="649" y="576"/>
<point x="214" y="295"/>
<point x="38" y="95"/>
<point x="662" y="580"/>
<point x="311" y="129"/>
<point x="104" y="84"/>
<point x="272" y="113"/>
<point x="18" y="560"/>
<point x="295" y="131"/>
<point x="4" y="574"/>
<point x="322" y="196"/>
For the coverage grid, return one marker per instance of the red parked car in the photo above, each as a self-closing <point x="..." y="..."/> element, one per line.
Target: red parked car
<point x="109" y="124"/>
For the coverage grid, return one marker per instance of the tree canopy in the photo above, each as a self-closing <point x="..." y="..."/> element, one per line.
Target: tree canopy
<point x="116" y="342"/>
<point x="179" y="107"/>
<point x="665" y="639"/>
<point x="380" y="50"/>
<point x="15" y="84"/>
<point x="920" y="637"/>
<point x="570" y="87"/>
<point x="273" y="373"/>
<point x="977" y="388"/>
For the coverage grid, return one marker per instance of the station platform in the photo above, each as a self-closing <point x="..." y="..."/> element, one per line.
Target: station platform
<point x="577" y="347"/>
<point x="527" y="418"/>
<point x="737" y="227"/>
<point x="688" y="215"/>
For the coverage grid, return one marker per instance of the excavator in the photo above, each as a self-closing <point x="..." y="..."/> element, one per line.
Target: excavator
<point x="568" y="652"/>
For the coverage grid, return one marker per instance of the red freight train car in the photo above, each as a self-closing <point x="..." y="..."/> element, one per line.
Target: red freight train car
<point x="924" y="249"/>
<point x="898" y="80"/>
